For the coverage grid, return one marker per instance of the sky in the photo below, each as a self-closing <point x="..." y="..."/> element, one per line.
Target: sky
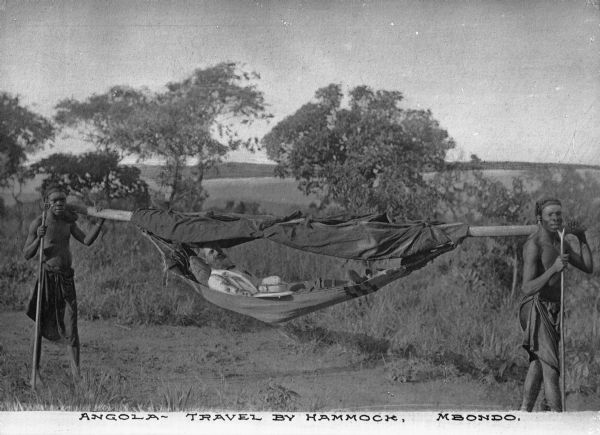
<point x="509" y="80"/>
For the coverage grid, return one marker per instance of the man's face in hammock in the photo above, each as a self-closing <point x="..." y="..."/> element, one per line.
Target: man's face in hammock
<point x="216" y="258"/>
<point x="552" y="217"/>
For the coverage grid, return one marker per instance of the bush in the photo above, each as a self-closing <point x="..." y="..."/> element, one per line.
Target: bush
<point x="456" y="313"/>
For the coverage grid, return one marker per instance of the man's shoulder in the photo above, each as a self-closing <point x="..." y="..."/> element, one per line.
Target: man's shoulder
<point x="36" y="222"/>
<point x="532" y="242"/>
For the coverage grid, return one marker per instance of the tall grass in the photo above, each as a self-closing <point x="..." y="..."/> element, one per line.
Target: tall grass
<point x="457" y="313"/>
<point x="454" y="317"/>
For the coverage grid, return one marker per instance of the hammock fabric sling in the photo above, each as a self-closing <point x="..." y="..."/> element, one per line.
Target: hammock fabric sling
<point x="366" y="238"/>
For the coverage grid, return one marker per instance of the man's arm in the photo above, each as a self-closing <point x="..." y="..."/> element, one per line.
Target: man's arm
<point x="532" y="283"/>
<point x="34" y="235"/>
<point x="80" y="236"/>
<point x="582" y="260"/>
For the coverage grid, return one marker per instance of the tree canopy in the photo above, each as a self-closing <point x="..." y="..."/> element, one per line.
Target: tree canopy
<point x="94" y="177"/>
<point x="21" y="132"/>
<point x="367" y="156"/>
<point x="191" y="119"/>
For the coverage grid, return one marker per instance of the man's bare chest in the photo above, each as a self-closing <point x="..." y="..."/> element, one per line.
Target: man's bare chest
<point x="549" y="252"/>
<point x="58" y="233"/>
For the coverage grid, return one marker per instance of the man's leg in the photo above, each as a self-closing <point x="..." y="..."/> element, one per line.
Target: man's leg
<point x="38" y="357"/>
<point x="73" y="352"/>
<point x="533" y="383"/>
<point x="551" y="387"/>
<point x="71" y="332"/>
<point x="544" y="403"/>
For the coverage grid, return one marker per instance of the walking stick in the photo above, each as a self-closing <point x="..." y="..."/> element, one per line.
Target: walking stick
<point x="38" y="307"/>
<point x="561" y="235"/>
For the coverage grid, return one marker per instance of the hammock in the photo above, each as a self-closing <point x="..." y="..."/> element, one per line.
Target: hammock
<point x="367" y="238"/>
<point x="302" y="301"/>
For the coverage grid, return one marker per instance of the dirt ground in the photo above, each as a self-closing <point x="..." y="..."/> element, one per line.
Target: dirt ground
<point x="263" y="368"/>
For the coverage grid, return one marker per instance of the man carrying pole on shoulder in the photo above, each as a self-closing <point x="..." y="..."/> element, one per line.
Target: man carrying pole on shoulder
<point x="58" y="313"/>
<point x="540" y="309"/>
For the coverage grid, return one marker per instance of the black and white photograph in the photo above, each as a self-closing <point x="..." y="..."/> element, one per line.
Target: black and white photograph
<point x="291" y="216"/>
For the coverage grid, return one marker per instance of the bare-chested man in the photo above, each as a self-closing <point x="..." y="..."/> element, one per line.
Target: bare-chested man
<point x="540" y="309"/>
<point x="58" y="315"/>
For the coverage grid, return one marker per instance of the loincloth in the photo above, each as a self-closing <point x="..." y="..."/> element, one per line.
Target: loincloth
<point x="540" y="321"/>
<point x="58" y="316"/>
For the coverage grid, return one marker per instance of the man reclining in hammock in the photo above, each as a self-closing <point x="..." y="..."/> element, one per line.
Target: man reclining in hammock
<point x="212" y="267"/>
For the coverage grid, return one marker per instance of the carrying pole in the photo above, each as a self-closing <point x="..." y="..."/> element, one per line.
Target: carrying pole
<point x="38" y="307"/>
<point x="481" y="231"/>
<point x="563" y="376"/>
<point x="107" y="213"/>
<point x="502" y="231"/>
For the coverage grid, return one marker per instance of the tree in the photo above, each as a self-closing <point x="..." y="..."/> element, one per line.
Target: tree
<point x="472" y="197"/>
<point x="190" y="120"/>
<point x="369" y="156"/>
<point x="576" y="189"/>
<point x="94" y="177"/>
<point x="21" y="132"/>
<point x="453" y="195"/>
<point x="500" y="205"/>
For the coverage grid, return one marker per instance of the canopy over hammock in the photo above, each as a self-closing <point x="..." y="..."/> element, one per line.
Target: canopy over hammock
<point x="368" y="238"/>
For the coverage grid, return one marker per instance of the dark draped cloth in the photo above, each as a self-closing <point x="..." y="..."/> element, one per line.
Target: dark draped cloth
<point x="58" y="316"/>
<point x="369" y="237"/>
<point x="540" y="321"/>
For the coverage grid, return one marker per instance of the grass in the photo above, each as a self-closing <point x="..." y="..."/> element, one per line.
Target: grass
<point x="453" y="318"/>
<point x="97" y="390"/>
<point x="222" y="170"/>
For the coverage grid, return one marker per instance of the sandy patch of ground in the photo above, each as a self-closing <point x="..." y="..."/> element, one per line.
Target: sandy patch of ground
<point x="263" y="368"/>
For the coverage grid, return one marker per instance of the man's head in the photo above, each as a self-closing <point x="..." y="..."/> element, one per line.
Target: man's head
<point x="56" y="197"/>
<point x="215" y="257"/>
<point x="548" y="212"/>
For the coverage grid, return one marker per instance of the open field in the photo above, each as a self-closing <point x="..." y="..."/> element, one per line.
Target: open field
<point x="250" y="184"/>
<point x="275" y="195"/>
<point x="215" y="367"/>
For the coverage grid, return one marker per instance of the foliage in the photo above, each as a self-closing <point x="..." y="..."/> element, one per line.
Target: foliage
<point x="369" y="156"/>
<point x="576" y="189"/>
<point x="471" y="196"/>
<point x="240" y="207"/>
<point x="94" y="177"/>
<point x="452" y="318"/>
<point x="21" y="132"/>
<point x="513" y="165"/>
<point x="188" y="121"/>
<point x="498" y="204"/>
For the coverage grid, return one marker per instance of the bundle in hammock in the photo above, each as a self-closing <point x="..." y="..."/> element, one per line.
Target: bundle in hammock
<point x="367" y="238"/>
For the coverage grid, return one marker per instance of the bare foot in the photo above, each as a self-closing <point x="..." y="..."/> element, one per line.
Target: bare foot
<point x="39" y="383"/>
